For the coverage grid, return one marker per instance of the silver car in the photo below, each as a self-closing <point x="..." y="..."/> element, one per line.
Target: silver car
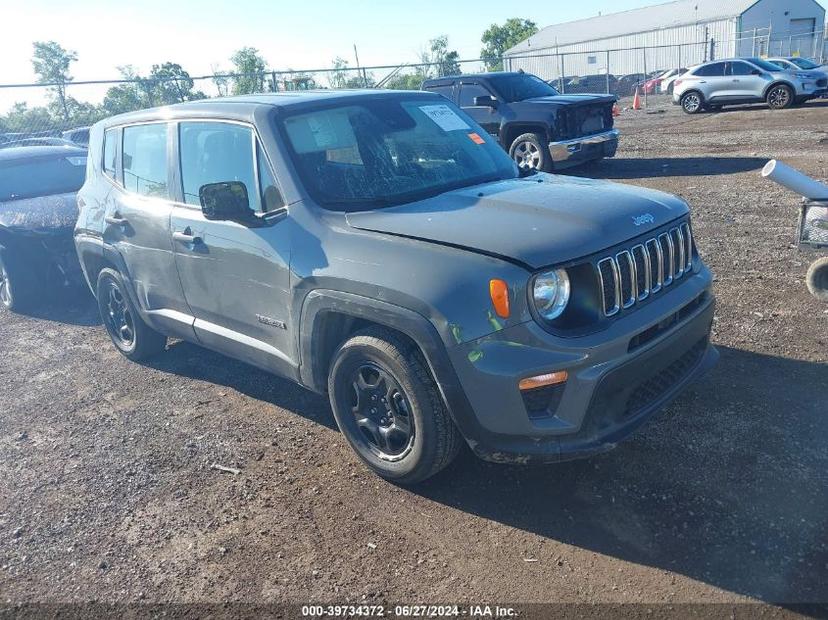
<point x="745" y="80"/>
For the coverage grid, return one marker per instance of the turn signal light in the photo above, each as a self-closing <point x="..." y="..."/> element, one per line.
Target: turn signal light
<point x="499" y="292"/>
<point x="550" y="378"/>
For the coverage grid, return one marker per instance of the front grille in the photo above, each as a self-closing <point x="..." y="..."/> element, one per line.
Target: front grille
<point x="632" y="275"/>
<point x="657" y="386"/>
<point x="584" y="120"/>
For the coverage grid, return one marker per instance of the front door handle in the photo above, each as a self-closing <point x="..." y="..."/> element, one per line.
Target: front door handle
<point x="186" y="237"/>
<point x="116" y="220"/>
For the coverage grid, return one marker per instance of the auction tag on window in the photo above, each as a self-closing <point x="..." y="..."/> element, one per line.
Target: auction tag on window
<point x="444" y="116"/>
<point x="475" y="137"/>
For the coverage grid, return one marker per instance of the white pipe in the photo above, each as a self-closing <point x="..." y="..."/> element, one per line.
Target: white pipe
<point x="794" y="180"/>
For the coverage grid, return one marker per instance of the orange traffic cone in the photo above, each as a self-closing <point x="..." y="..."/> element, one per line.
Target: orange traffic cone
<point x="636" y="100"/>
<point x="616" y="111"/>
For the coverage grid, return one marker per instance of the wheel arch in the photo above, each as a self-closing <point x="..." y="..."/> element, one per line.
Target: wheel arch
<point x="514" y="129"/>
<point x="329" y="317"/>
<point x="779" y="83"/>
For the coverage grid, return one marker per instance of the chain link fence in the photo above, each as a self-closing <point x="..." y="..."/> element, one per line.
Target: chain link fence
<point x="48" y="112"/>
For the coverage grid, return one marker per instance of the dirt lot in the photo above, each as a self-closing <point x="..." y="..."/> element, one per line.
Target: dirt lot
<point x="107" y="491"/>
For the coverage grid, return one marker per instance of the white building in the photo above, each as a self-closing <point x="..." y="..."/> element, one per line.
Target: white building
<point x="675" y="34"/>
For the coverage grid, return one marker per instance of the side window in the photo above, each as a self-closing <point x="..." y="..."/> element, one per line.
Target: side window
<point x="215" y="153"/>
<point x="469" y="91"/>
<point x="740" y="68"/>
<point x="144" y="154"/>
<point x="443" y="89"/>
<point x="716" y="69"/>
<point x="110" y="151"/>
<point x="270" y="195"/>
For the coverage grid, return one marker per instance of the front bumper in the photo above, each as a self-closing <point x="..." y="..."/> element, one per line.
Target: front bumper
<point x="570" y="152"/>
<point x="611" y="390"/>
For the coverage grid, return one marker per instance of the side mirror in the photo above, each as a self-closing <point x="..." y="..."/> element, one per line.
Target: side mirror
<point x="486" y="101"/>
<point x="756" y="72"/>
<point x="225" y="201"/>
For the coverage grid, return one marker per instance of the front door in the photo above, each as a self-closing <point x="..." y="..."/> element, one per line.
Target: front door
<point x="235" y="275"/>
<point x="137" y="224"/>
<point x="485" y="116"/>
<point x="745" y="84"/>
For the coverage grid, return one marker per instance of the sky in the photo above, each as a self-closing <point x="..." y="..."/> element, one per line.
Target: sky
<point x="202" y="34"/>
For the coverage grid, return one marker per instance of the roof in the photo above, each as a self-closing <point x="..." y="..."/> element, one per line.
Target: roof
<point x="451" y="78"/>
<point x="645" y="19"/>
<point x="243" y="106"/>
<point x="13" y="153"/>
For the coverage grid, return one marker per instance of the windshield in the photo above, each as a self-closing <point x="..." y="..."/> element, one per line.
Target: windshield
<point x="521" y="86"/>
<point x="41" y="177"/>
<point x="764" y="64"/>
<point x="803" y="63"/>
<point x="365" y="153"/>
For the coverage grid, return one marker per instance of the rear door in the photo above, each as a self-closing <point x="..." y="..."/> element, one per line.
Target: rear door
<point x="486" y="116"/>
<point x="235" y="276"/>
<point x="137" y="221"/>
<point x="712" y="82"/>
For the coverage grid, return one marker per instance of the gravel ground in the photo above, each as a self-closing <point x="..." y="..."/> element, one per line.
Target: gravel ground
<point x="107" y="491"/>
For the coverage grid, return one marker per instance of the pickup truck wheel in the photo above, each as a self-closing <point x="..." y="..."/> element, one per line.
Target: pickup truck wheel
<point x="130" y="335"/>
<point x="530" y="153"/>
<point x="389" y="409"/>
<point x="16" y="292"/>
<point x="692" y="102"/>
<point x="779" y="97"/>
<point x="817" y="279"/>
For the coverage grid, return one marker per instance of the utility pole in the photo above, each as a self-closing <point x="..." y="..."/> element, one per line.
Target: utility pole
<point x="364" y="76"/>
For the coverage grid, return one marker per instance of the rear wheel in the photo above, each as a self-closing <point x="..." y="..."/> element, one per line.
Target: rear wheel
<point x="130" y="335"/>
<point x="529" y="153"/>
<point x="389" y="408"/>
<point x="692" y="102"/>
<point x="779" y="97"/>
<point x="817" y="279"/>
<point x="16" y="282"/>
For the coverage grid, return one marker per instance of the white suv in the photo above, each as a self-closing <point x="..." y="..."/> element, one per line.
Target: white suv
<point x="745" y="80"/>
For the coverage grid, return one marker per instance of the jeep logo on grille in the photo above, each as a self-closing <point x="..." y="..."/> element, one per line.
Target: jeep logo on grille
<point x="640" y="220"/>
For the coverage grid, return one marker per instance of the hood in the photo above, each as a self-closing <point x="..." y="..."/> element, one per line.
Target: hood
<point x="567" y="100"/>
<point x="537" y="221"/>
<point x="42" y="213"/>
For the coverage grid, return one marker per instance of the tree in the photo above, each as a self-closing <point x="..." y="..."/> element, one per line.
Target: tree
<point x="497" y="39"/>
<point x="406" y="81"/>
<point x="22" y="118"/>
<point x="172" y="84"/>
<point x="221" y="81"/>
<point x="51" y="64"/>
<point x="447" y="61"/>
<point x="338" y="78"/>
<point x="249" y="63"/>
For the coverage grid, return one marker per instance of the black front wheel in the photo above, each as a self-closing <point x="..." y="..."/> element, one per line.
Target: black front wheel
<point x="130" y="335"/>
<point x="780" y="97"/>
<point x="389" y="408"/>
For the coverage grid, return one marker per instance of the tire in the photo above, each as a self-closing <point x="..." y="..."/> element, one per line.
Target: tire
<point x="17" y="292"/>
<point x="817" y="279"/>
<point x="130" y="335"/>
<point x="779" y="97"/>
<point x="389" y="409"/>
<point x="529" y="152"/>
<point x="692" y="102"/>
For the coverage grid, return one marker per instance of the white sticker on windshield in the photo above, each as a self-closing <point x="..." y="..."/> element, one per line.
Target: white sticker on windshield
<point x="444" y="116"/>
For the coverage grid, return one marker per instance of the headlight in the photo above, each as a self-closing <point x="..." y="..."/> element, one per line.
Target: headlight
<point x="803" y="76"/>
<point x="551" y="293"/>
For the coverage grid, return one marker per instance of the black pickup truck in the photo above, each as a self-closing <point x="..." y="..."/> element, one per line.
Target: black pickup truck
<point x="539" y="127"/>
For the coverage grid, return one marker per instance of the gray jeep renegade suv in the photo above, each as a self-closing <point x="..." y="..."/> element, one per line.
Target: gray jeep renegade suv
<point x="381" y="247"/>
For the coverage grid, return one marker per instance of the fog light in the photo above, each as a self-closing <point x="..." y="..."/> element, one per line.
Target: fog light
<point x="550" y="378"/>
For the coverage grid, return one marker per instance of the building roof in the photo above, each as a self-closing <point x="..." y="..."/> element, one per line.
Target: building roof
<point x="645" y="19"/>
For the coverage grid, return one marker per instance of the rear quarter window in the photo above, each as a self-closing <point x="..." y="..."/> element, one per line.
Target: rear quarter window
<point x="145" y="160"/>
